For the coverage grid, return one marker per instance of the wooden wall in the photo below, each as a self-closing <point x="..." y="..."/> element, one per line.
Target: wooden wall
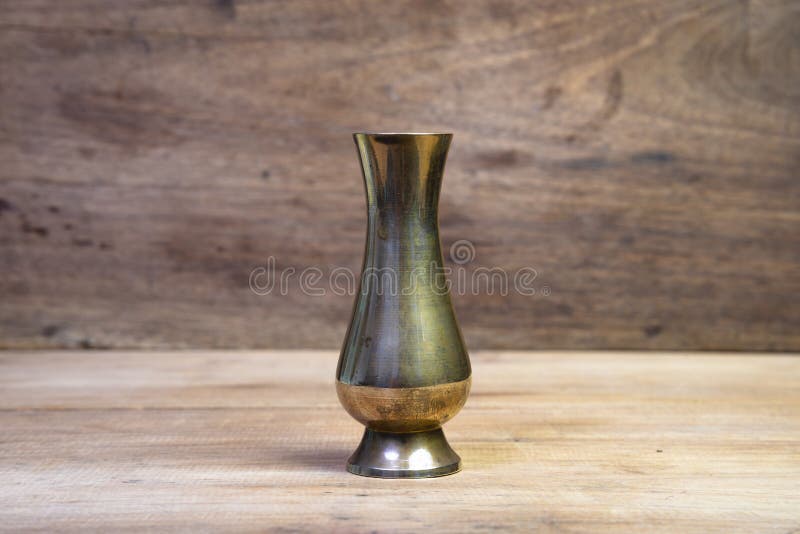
<point x="642" y="156"/>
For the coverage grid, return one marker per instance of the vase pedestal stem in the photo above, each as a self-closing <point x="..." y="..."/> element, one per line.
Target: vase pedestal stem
<point x="408" y="455"/>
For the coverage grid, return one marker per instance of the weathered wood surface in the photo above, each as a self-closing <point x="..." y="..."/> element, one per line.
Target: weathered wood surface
<point x="642" y="156"/>
<point x="557" y="442"/>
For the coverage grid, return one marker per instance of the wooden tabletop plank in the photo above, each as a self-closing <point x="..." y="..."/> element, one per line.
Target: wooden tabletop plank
<point x="257" y="440"/>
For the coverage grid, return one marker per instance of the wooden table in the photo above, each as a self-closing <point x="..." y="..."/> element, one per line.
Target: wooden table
<point x="567" y="442"/>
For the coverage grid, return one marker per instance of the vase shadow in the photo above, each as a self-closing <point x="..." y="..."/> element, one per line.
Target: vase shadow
<point x="323" y="459"/>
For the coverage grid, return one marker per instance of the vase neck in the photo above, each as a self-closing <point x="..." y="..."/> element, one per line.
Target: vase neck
<point x="403" y="175"/>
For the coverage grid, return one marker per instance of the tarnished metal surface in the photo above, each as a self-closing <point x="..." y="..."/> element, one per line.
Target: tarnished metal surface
<point x="404" y="409"/>
<point x="404" y="366"/>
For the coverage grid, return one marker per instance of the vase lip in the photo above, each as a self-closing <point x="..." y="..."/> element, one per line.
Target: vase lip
<point x="402" y="134"/>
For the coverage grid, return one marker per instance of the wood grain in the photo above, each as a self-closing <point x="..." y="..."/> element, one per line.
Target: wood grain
<point x="641" y="156"/>
<point x="256" y="441"/>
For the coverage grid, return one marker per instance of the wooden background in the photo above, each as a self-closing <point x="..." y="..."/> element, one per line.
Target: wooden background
<point x="642" y="156"/>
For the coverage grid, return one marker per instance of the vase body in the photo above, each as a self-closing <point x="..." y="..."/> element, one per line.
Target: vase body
<point x="404" y="369"/>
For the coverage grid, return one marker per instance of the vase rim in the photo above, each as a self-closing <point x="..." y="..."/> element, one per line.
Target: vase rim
<point x="409" y="134"/>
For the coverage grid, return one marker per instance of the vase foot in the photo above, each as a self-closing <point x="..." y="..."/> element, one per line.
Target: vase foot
<point x="408" y="455"/>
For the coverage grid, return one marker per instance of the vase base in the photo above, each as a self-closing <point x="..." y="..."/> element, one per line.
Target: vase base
<point x="409" y="455"/>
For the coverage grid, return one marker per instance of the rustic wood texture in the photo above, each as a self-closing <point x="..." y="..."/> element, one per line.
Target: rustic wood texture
<point x="642" y="156"/>
<point x="553" y="442"/>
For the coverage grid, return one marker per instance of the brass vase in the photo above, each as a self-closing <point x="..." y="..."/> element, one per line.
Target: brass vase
<point x="404" y="369"/>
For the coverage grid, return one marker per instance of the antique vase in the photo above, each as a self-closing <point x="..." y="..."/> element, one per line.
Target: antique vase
<point x="404" y="369"/>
